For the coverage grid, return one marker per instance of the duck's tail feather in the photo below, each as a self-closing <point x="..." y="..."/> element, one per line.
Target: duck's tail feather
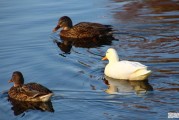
<point x="46" y="97"/>
<point x="140" y="74"/>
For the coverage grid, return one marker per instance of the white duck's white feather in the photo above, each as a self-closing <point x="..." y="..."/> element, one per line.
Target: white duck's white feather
<point x="128" y="70"/>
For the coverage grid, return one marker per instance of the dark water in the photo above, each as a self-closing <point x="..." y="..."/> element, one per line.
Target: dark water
<point x="146" y="31"/>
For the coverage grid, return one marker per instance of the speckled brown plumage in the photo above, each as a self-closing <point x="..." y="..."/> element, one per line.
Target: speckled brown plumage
<point x="27" y="92"/>
<point x="82" y="29"/>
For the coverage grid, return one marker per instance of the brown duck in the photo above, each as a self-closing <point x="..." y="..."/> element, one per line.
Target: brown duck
<point x="28" y="92"/>
<point x="82" y="29"/>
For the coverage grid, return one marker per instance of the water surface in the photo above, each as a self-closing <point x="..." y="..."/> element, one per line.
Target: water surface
<point x="146" y="31"/>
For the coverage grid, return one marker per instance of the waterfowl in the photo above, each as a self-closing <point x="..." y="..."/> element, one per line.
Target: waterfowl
<point x="82" y="29"/>
<point x="126" y="70"/>
<point x="27" y="92"/>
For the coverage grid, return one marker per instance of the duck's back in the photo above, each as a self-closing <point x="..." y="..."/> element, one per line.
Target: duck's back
<point x="38" y="87"/>
<point x="87" y="30"/>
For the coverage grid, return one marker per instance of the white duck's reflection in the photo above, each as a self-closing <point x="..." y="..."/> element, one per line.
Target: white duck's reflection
<point x="116" y="86"/>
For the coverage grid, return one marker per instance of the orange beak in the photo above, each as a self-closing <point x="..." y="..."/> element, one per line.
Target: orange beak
<point x="104" y="58"/>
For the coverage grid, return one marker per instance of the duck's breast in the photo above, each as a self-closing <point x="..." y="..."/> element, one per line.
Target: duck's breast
<point x="18" y="93"/>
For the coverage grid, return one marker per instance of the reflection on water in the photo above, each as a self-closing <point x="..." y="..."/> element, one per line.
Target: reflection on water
<point x="20" y="107"/>
<point x="124" y="86"/>
<point x="148" y="10"/>
<point x="64" y="46"/>
<point x="67" y="44"/>
<point x="151" y="36"/>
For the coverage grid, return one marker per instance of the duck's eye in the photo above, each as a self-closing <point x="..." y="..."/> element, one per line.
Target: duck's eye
<point x="13" y="75"/>
<point x="60" y="22"/>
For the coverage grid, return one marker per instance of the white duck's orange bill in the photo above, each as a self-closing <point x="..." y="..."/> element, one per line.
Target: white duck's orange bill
<point x="104" y="58"/>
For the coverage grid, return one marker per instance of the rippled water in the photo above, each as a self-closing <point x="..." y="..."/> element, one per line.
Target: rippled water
<point x="146" y="31"/>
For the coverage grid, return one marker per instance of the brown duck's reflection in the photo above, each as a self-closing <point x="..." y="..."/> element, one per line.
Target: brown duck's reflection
<point x="124" y="86"/>
<point x="20" y="107"/>
<point x="66" y="44"/>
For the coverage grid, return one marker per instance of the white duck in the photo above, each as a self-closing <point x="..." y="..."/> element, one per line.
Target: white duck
<point x="126" y="70"/>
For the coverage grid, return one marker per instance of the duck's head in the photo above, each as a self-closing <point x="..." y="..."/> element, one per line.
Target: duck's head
<point x="65" y="23"/>
<point x="111" y="55"/>
<point x="17" y="78"/>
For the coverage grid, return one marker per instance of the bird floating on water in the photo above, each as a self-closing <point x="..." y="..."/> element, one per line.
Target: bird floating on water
<point x="82" y="30"/>
<point x="28" y="92"/>
<point x="127" y="70"/>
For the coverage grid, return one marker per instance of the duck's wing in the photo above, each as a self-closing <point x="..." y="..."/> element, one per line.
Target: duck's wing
<point x="38" y="87"/>
<point x="133" y="66"/>
<point x="87" y="29"/>
<point x="30" y="92"/>
<point x="136" y="70"/>
<point x="33" y="90"/>
<point x="96" y="26"/>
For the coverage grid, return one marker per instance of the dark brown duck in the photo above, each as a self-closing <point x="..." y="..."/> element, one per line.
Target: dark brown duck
<point x="82" y="29"/>
<point x="27" y="92"/>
